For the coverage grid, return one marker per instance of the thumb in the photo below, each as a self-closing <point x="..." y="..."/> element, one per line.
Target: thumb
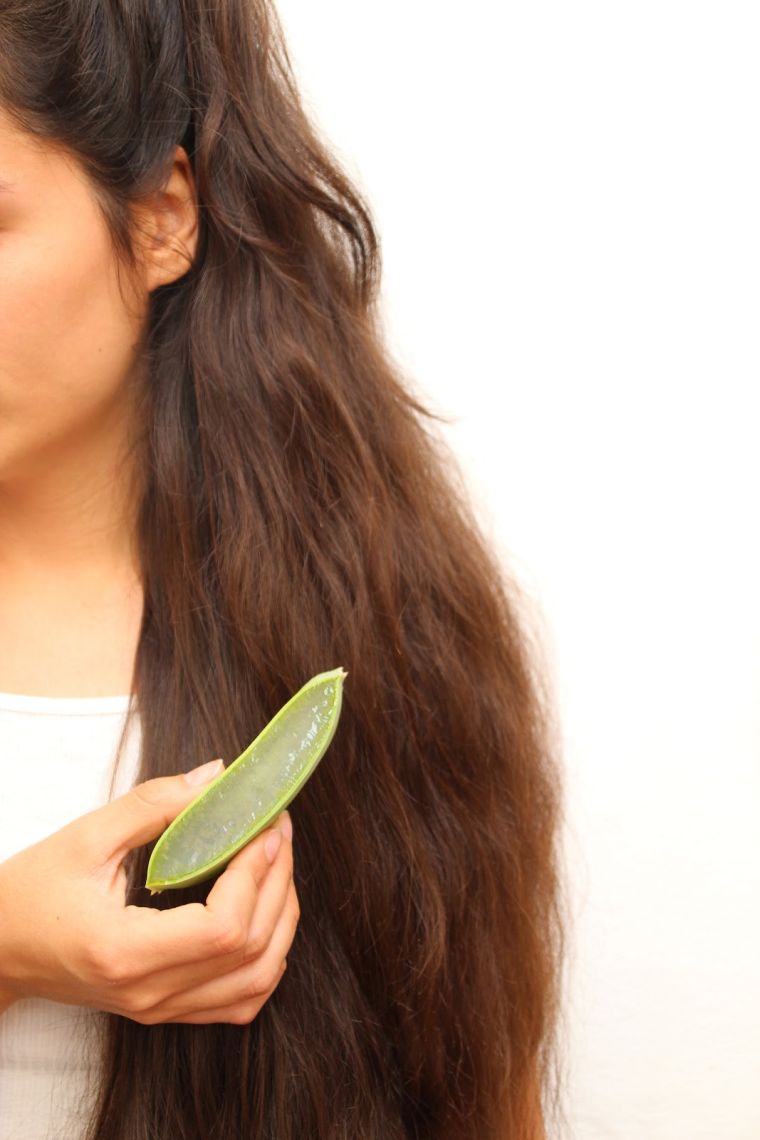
<point x="144" y="812"/>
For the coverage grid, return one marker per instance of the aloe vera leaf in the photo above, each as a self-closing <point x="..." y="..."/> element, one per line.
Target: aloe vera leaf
<point x="252" y="791"/>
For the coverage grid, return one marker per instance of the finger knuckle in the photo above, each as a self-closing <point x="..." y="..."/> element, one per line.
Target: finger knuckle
<point x="150" y="791"/>
<point x="149" y="1016"/>
<point x="107" y="964"/>
<point x="244" y="1014"/>
<point x="136" y="1005"/>
<point x="258" y="940"/>
<point x="229" y="936"/>
<point x="261" y="983"/>
<point x="254" y="987"/>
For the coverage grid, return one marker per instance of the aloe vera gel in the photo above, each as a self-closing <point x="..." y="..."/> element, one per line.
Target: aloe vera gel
<point x="252" y="791"/>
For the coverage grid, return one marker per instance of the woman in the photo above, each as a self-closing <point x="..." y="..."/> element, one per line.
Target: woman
<point x="214" y="484"/>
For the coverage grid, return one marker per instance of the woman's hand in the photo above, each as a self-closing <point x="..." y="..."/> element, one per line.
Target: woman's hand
<point x="67" y="935"/>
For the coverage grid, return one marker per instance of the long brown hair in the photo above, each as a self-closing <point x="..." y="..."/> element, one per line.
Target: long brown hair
<point x="299" y="512"/>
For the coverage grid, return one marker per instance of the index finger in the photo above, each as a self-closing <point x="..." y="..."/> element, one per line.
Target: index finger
<point x="193" y="932"/>
<point x="233" y="898"/>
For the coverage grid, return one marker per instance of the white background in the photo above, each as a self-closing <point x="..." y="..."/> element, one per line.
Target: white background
<point x="568" y="198"/>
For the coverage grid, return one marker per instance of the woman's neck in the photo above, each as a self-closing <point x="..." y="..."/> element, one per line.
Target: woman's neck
<point x="71" y="596"/>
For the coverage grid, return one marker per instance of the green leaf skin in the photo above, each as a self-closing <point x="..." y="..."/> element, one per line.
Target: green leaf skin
<point x="252" y="791"/>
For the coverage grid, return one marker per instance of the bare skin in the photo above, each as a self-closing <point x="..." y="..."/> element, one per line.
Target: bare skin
<point x="70" y="599"/>
<point x="71" y="605"/>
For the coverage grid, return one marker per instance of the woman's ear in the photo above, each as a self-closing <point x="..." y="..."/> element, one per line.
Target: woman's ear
<point x="169" y="226"/>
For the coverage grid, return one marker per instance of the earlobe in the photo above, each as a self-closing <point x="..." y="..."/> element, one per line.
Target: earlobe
<point x="170" y="259"/>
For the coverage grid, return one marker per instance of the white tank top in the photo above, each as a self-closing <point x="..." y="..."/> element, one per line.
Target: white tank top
<point x="56" y="758"/>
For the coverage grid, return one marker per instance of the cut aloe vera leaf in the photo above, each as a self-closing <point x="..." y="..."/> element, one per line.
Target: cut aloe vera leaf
<point x="252" y="791"/>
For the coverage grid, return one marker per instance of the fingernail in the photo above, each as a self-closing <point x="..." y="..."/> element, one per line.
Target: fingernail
<point x="272" y="845"/>
<point x="203" y="774"/>
<point x="286" y="823"/>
